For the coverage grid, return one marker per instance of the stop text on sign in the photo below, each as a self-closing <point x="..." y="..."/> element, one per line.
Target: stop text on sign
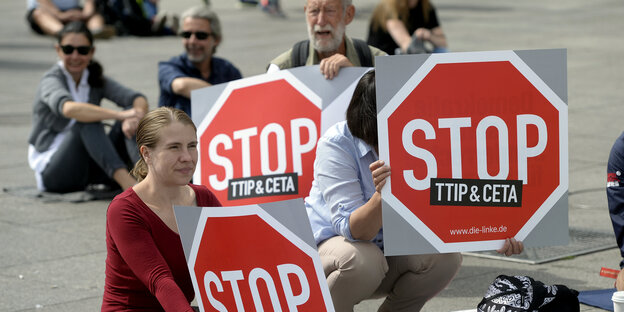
<point x="264" y="149"/>
<point x="235" y="278"/>
<point x="455" y="125"/>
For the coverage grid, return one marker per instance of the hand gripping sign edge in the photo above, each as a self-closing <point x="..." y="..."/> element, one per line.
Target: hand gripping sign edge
<point x="538" y="84"/>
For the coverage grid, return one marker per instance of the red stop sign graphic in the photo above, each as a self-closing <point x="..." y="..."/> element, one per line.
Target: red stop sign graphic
<point x="243" y="263"/>
<point x="264" y="129"/>
<point x="475" y="121"/>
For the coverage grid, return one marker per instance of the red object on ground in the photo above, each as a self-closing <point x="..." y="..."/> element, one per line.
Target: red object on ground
<point x="606" y="272"/>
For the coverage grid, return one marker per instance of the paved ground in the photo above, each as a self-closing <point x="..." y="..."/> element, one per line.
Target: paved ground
<point x="53" y="254"/>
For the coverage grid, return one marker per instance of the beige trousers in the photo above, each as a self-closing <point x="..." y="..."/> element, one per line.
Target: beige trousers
<point x="358" y="270"/>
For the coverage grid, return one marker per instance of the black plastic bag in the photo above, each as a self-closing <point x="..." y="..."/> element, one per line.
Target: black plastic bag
<point x="524" y="294"/>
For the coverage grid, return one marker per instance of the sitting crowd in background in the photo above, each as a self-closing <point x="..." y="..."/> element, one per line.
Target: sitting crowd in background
<point x="70" y="148"/>
<point x="104" y="18"/>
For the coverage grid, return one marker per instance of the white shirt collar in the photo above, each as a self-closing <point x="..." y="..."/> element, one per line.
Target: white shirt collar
<point x="81" y="94"/>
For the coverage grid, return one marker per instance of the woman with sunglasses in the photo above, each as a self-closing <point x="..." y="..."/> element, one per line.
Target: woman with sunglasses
<point x="69" y="147"/>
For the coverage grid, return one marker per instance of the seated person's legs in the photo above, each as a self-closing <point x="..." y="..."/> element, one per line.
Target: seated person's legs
<point x="126" y="147"/>
<point x="353" y="270"/>
<point x="68" y="169"/>
<point x="44" y="22"/>
<point x="413" y="280"/>
<point x="97" y="26"/>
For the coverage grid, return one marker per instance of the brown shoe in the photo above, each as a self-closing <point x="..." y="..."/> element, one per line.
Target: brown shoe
<point x="105" y="32"/>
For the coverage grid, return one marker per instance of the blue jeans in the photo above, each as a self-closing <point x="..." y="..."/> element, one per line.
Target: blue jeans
<point x="88" y="155"/>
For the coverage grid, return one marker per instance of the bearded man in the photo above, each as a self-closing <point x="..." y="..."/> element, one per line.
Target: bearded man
<point x="197" y="67"/>
<point x="328" y="45"/>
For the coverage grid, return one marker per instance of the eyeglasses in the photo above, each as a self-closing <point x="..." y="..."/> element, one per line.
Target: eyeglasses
<point x="82" y="50"/>
<point x="200" y="35"/>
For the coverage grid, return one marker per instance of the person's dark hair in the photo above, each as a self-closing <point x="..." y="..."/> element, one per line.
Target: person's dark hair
<point x="362" y="110"/>
<point x="96" y="72"/>
<point x="148" y="133"/>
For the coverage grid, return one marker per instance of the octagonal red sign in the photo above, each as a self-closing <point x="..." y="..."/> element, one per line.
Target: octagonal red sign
<point x="478" y="150"/>
<point x="257" y="143"/>
<point x="245" y="260"/>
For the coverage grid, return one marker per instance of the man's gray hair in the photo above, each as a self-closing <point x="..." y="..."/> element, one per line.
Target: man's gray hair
<point x="204" y="12"/>
<point x="345" y="3"/>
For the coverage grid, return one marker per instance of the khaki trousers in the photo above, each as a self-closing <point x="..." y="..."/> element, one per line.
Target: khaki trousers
<point x="357" y="271"/>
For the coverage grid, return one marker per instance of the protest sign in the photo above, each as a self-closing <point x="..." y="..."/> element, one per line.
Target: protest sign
<point x="255" y="258"/>
<point x="257" y="136"/>
<point x="478" y="146"/>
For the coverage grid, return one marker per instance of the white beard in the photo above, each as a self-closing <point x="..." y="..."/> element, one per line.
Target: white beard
<point x="331" y="45"/>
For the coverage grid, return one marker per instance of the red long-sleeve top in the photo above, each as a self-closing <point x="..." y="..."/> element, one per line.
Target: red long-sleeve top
<point x="145" y="265"/>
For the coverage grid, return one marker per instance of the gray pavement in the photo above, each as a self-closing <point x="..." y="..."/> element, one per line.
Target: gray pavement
<point x="52" y="254"/>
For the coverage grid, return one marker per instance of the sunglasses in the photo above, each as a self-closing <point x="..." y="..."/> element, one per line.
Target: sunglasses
<point x="200" y="35"/>
<point x="82" y="50"/>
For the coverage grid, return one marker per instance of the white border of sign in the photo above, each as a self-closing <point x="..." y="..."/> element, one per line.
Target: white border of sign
<point x="217" y="212"/>
<point x="471" y="57"/>
<point x="247" y="82"/>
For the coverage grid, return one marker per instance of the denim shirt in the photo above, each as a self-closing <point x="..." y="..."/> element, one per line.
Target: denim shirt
<point x="342" y="183"/>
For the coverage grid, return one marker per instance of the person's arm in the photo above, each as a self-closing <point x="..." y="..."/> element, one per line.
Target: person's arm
<point x="64" y="16"/>
<point x="435" y="36"/>
<point x="184" y="85"/>
<point x="129" y="100"/>
<point x="88" y="10"/>
<point x="399" y="33"/>
<point x="139" y="251"/>
<point x="173" y="79"/>
<point x="87" y="112"/>
<point x="140" y="106"/>
<point x="129" y="125"/>
<point x="615" y="192"/>
<point x="337" y="174"/>
<point x="403" y="38"/>
<point x="365" y="222"/>
<point x="50" y="7"/>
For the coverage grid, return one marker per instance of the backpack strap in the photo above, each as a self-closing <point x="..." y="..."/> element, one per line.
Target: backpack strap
<point x="363" y="52"/>
<point x="299" y="53"/>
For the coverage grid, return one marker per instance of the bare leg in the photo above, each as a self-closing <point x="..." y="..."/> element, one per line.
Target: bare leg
<point x="96" y="22"/>
<point x="48" y="23"/>
<point x="98" y="27"/>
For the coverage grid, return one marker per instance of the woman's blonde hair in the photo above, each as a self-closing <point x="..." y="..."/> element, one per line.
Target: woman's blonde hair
<point x="148" y="133"/>
<point x="396" y="9"/>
